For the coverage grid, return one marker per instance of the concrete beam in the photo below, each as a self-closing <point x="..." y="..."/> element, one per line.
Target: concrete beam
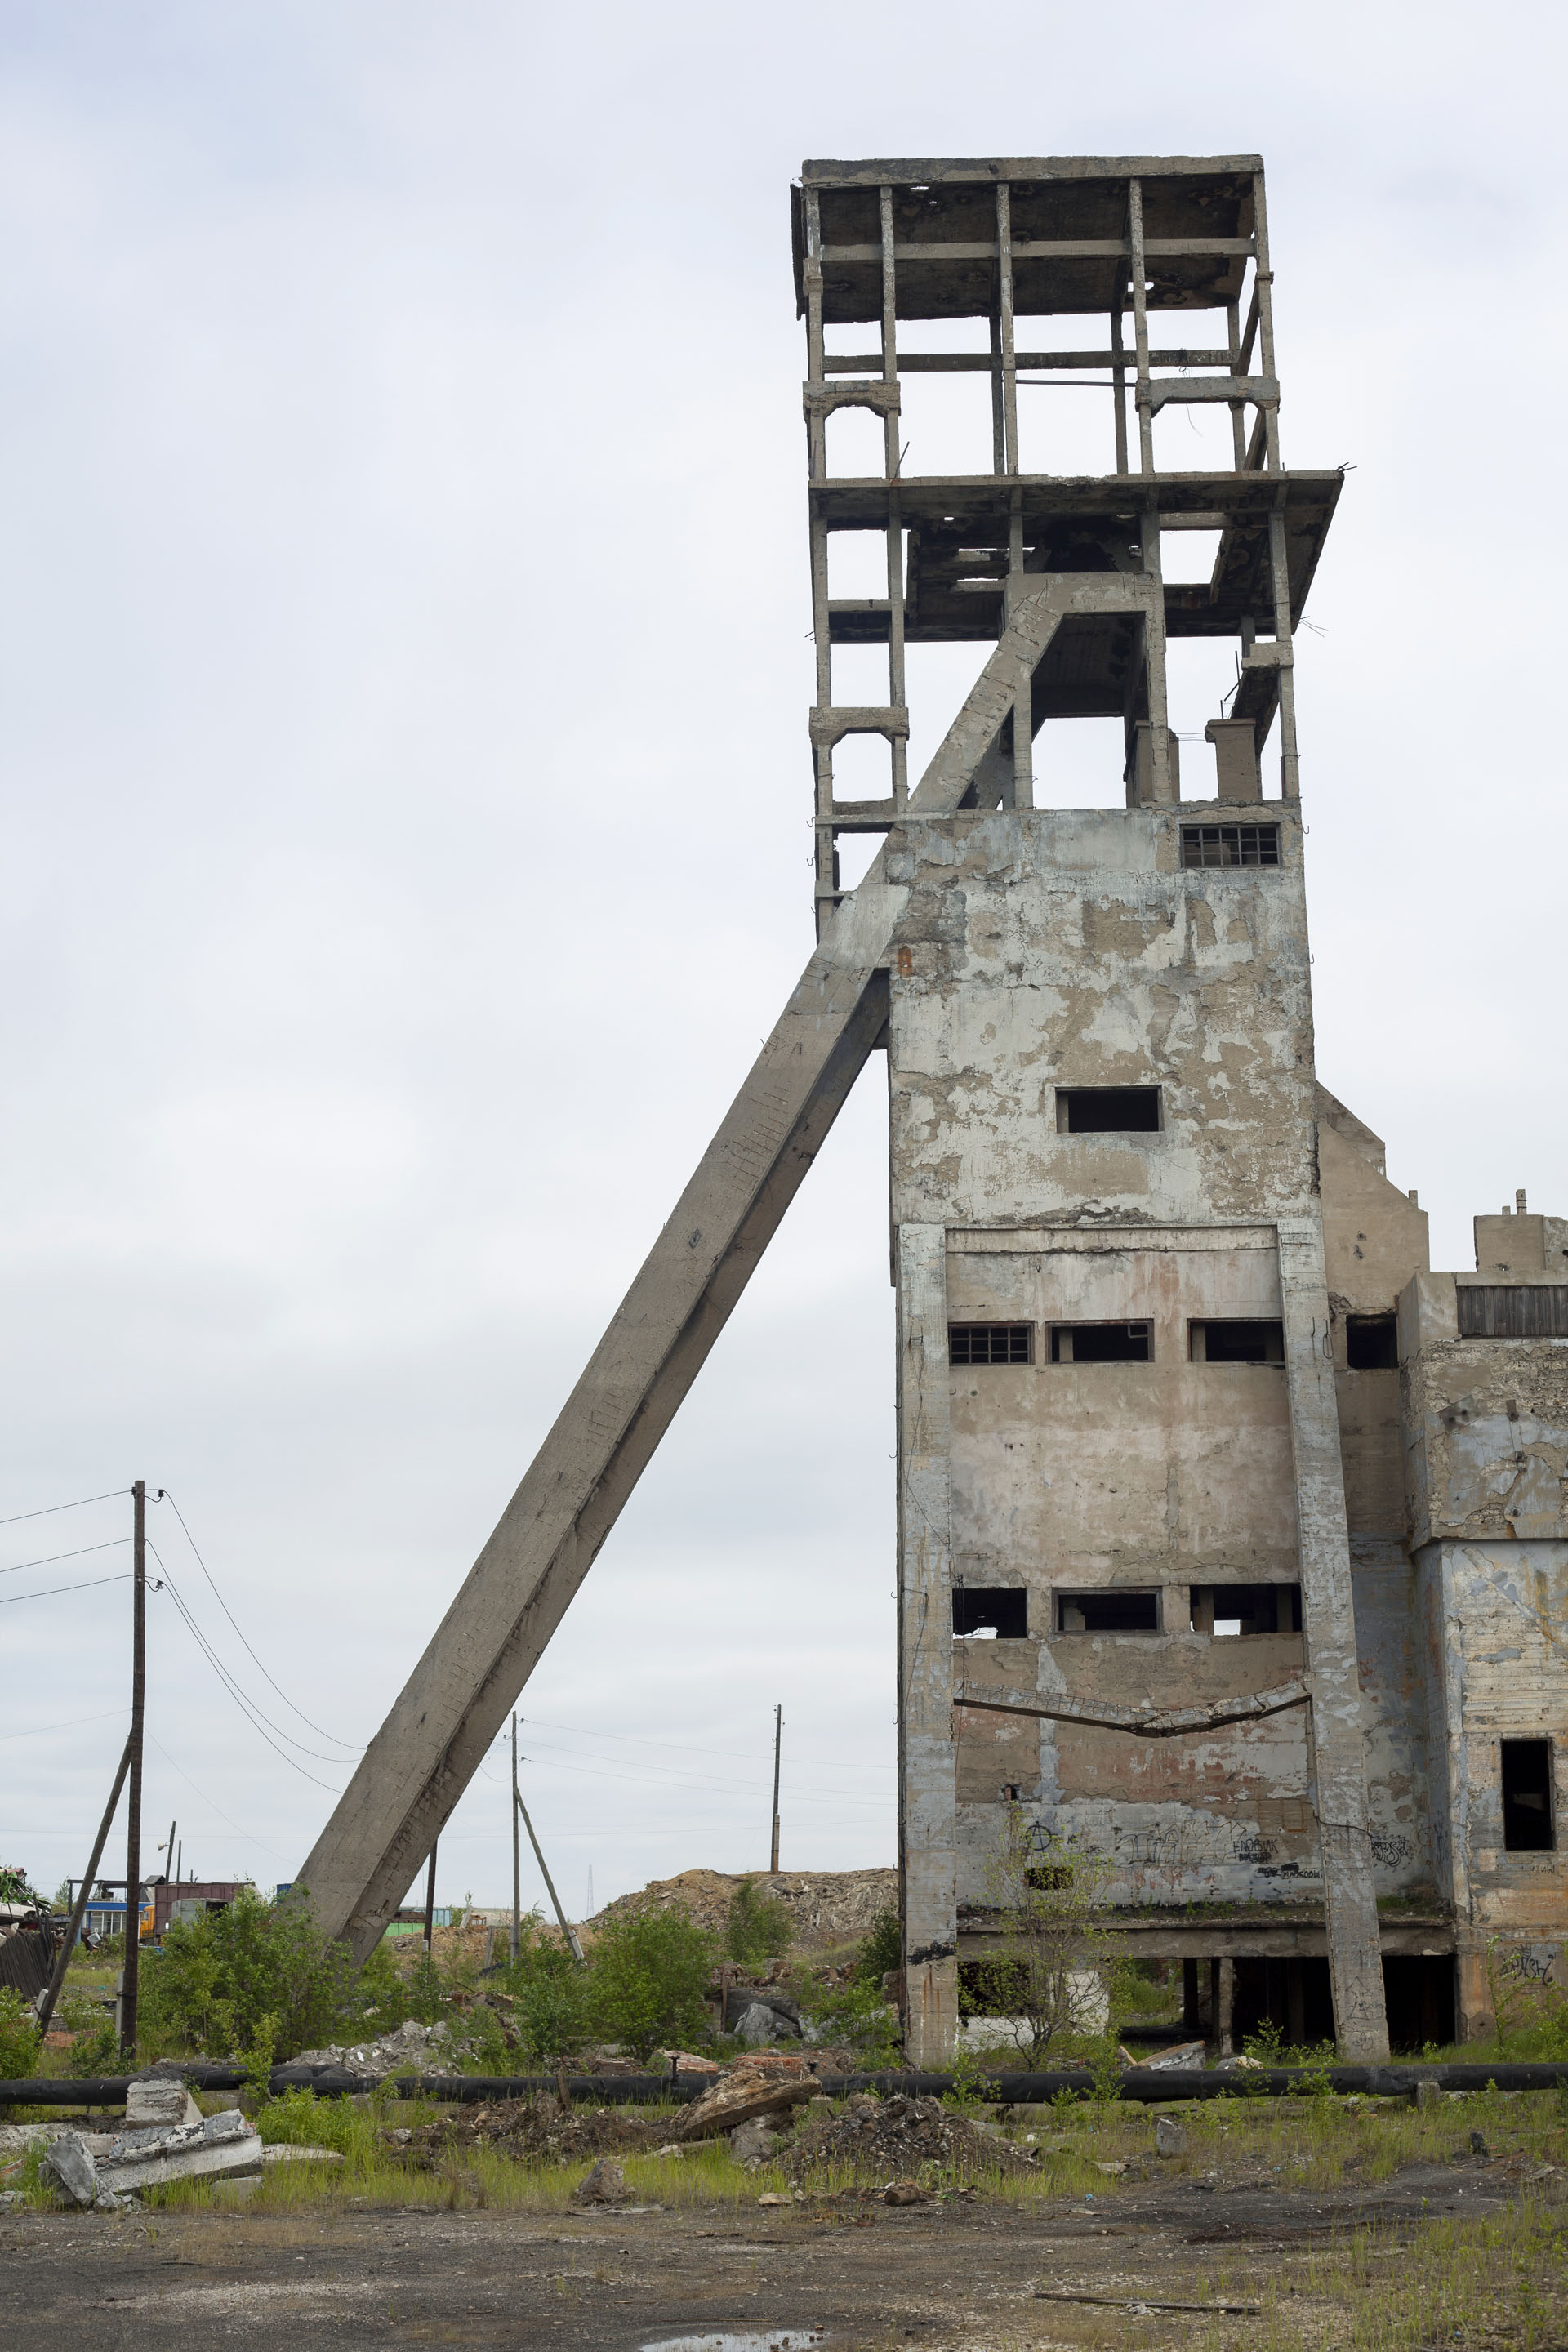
<point x="1328" y="1624"/>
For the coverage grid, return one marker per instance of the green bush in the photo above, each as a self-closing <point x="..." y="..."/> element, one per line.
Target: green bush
<point x="549" y="1992"/>
<point x="219" y="1978"/>
<point x="18" y="2037"/>
<point x="882" y="1948"/>
<point x="647" y="1977"/>
<point x="855" y="2015"/>
<point x="759" y="1926"/>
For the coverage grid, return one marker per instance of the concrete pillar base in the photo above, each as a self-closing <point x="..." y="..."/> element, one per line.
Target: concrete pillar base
<point x="932" y="2017"/>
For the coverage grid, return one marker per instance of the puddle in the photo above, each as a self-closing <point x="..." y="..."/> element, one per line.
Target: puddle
<point x="777" y="2339"/>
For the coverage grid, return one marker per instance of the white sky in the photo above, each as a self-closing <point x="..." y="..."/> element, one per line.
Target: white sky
<point x="402" y="688"/>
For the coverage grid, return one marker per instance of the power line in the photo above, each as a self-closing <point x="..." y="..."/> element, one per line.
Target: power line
<point x="248" y="1707"/>
<point x="49" y="1509"/>
<point x="741" y="1755"/>
<point x="48" y="1594"/>
<point x="39" y="1730"/>
<point x="248" y="1836"/>
<point x="228" y="1612"/>
<point x="49" y="1557"/>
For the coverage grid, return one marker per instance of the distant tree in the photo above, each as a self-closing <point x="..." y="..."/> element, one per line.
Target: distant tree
<point x="759" y="1926"/>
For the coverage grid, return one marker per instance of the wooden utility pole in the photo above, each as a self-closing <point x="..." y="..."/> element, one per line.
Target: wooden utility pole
<point x="430" y="1908"/>
<point x="62" y="1957"/>
<point x="134" y="1815"/>
<point x="778" y="1741"/>
<point x="516" y="1858"/>
<point x="567" y="1931"/>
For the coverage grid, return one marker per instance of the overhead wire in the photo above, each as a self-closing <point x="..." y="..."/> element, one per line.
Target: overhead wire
<point x="248" y="1707"/>
<point x="49" y="1557"/>
<point x="11" y="1599"/>
<point x="234" y="1621"/>
<point x="50" y="1508"/>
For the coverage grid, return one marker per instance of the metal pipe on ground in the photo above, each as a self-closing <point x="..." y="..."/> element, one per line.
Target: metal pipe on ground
<point x="1146" y="2086"/>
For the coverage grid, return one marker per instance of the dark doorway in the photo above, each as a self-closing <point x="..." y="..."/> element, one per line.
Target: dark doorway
<point x="1418" y="1996"/>
<point x="1291" y="1995"/>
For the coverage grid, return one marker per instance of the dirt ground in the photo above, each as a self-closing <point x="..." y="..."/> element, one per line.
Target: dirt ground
<point x="994" y="2275"/>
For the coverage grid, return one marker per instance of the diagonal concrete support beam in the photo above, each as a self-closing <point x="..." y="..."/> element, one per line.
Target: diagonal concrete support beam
<point x="493" y="1635"/>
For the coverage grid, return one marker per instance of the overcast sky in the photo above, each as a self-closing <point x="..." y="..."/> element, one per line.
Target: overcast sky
<point x="402" y="683"/>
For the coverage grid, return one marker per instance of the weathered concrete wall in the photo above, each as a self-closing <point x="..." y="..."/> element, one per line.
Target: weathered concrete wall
<point x="1494" y="1616"/>
<point x="1486" y="1426"/>
<point x="1049" y="950"/>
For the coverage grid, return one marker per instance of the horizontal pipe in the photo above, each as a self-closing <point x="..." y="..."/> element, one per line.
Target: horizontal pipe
<point x="1146" y="2084"/>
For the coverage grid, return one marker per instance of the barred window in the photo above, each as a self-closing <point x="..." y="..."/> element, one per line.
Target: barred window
<point x="1230" y="844"/>
<point x="991" y="1343"/>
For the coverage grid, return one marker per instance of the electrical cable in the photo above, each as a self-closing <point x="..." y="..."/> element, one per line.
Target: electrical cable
<point x="741" y="1755"/>
<point x="49" y="1509"/>
<point x="248" y="1836"/>
<point x="228" y="1612"/>
<point x="49" y="1557"/>
<point x="39" y="1730"/>
<point x="247" y="1707"/>
<point x="11" y="1599"/>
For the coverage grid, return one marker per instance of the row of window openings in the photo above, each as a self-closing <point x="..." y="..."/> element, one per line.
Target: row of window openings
<point x="1001" y="1613"/>
<point x="1371" y="1343"/>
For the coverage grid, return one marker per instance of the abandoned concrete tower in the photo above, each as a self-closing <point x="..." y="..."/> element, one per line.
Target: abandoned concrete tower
<point x="1232" y="1541"/>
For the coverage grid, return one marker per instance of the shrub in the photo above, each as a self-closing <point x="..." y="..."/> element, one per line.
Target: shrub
<point x="548" y="1992"/>
<point x="647" y="1977"/>
<point x="855" y="2015"/>
<point x="882" y="1948"/>
<point x="759" y="1926"/>
<point x="219" y="1978"/>
<point x="18" y="2037"/>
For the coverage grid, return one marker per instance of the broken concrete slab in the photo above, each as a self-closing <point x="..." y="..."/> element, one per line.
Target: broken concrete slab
<point x="765" y="2084"/>
<point x="71" y="2169"/>
<point x="1182" y="2057"/>
<point x="167" y="2103"/>
<point x="222" y="2146"/>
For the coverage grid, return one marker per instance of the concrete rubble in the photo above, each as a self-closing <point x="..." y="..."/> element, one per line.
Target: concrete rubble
<point x="761" y="2085"/>
<point x="214" y="2148"/>
<point x="413" y="2049"/>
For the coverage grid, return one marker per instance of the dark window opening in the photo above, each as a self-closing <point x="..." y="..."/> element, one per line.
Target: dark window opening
<point x="1238" y="1343"/>
<point x="1100" y="1343"/>
<point x="1108" y="1612"/>
<point x="1227" y="1608"/>
<point x="991" y="1343"/>
<point x="1527" y="1796"/>
<point x="1002" y="1610"/>
<point x="1294" y="1996"/>
<point x="1230" y="844"/>
<point x="1371" y="1342"/>
<point x="1108" y="1110"/>
<point x="1519" y="1310"/>
<point x="1418" y="2002"/>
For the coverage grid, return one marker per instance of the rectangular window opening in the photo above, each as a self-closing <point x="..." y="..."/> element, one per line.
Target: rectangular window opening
<point x="1527" y="1824"/>
<point x="1110" y="1611"/>
<point x="1102" y="1343"/>
<point x="1210" y="845"/>
<point x="1108" y="1110"/>
<point x="1237" y="1343"/>
<point x="1371" y="1342"/>
<point x="1239" y="1608"/>
<point x="999" y="1612"/>
<point x="991" y="1343"/>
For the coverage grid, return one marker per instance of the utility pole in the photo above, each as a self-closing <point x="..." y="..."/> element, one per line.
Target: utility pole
<point x="133" y="1820"/>
<point x="516" y="1860"/>
<point x="575" y="1947"/>
<point x="778" y="1741"/>
<point x="430" y="1908"/>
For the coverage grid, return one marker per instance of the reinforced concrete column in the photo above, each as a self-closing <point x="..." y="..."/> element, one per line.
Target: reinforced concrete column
<point x="1328" y="1622"/>
<point x="928" y="1779"/>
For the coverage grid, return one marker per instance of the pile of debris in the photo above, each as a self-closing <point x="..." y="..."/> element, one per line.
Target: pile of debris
<point x="538" y="2130"/>
<point x="897" y="2139"/>
<point x="414" y="2048"/>
<point x="826" y="1908"/>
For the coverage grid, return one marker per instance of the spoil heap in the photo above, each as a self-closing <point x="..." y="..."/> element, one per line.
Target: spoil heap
<point x="898" y="2138"/>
